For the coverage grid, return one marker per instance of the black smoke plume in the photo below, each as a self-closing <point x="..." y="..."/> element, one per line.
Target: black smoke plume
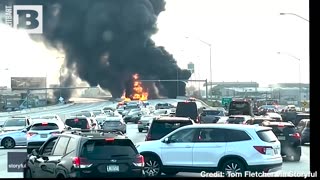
<point x="107" y="41"/>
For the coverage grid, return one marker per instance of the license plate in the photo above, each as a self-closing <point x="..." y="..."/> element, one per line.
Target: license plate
<point x="269" y="151"/>
<point x="113" y="168"/>
<point x="43" y="136"/>
<point x="282" y="138"/>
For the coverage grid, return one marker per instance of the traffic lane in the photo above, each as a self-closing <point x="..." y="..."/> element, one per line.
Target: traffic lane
<point x="4" y="163"/>
<point x="303" y="166"/>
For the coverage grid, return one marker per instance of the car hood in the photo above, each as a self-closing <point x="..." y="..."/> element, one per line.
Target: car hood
<point x="12" y="128"/>
<point x="141" y="145"/>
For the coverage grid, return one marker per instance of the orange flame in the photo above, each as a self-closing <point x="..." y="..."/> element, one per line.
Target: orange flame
<point x="138" y="92"/>
<point x="125" y="99"/>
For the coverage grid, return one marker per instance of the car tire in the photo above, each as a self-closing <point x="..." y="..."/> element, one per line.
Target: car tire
<point x="232" y="166"/>
<point x="152" y="166"/>
<point x="140" y="130"/>
<point x="27" y="174"/>
<point x="8" y="143"/>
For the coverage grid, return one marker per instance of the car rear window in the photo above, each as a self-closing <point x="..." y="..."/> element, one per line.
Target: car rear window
<point x="211" y="112"/>
<point x="283" y="129"/>
<point x="267" y="136"/>
<point x="258" y="121"/>
<point x="44" y="126"/>
<point x="101" y="149"/>
<point x="235" y="120"/>
<point x="111" y="123"/>
<point x="77" y="123"/>
<point x="159" y="129"/>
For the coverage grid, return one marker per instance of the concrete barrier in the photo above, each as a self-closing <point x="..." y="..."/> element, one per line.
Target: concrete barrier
<point x="25" y="111"/>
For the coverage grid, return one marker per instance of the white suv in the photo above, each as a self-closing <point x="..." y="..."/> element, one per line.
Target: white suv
<point x="229" y="148"/>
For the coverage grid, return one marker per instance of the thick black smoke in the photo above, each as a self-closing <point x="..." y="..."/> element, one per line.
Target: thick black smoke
<point x="109" y="40"/>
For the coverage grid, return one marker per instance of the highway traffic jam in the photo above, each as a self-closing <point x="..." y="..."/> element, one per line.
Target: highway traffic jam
<point x="174" y="137"/>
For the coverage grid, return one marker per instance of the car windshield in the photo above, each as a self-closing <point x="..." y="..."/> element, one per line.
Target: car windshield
<point x="15" y="122"/>
<point x="44" y="126"/>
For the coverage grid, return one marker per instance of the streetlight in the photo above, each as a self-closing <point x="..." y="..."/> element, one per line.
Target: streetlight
<point x="208" y="44"/>
<point x="299" y="74"/>
<point x="295" y="15"/>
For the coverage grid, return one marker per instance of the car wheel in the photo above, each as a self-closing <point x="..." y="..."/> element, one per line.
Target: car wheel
<point x="140" y="130"/>
<point x="8" y="143"/>
<point x="232" y="167"/>
<point x="152" y="167"/>
<point x="27" y="173"/>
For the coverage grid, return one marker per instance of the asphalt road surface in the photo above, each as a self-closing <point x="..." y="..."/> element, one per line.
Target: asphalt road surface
<point x="288" y="168"/>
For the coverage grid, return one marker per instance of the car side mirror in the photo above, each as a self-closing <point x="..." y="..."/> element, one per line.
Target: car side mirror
<point x="93" y="124"/>
<point x="166" y="140"/>
<point x="24" y="130"/>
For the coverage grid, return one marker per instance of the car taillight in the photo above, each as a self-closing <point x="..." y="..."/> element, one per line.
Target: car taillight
<point x="263" y="149"/>
<point x="54" y="133"/>
<point x="198" y="119"/>
<point x="148" y="137"/>
<point x="295" y="135"/>
<point x="88" y="126"/>
<point x="139" y="122"/>
<point x="139" y="161"/>
<point x="30" y="134"/>
<point x="79" y="162"/>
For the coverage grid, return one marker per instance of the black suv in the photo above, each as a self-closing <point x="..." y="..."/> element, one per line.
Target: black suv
<point x="165" y="125"/>
<point x="289" y="138"/>
<point x="78" y="154"/>
<point x="187" y="109"/>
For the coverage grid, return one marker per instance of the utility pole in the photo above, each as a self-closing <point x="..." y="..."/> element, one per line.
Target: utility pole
<point x="207" y="89"/>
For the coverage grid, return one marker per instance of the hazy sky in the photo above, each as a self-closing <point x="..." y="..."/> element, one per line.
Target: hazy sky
<point x="245" y="36"/>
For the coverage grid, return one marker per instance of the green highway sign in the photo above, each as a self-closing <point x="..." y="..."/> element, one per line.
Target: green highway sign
<point x="226" y="101"/>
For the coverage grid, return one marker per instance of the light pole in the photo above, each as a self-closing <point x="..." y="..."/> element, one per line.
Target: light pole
<point x="295" y="15"/>
<point x="299" y="99"/>
<point x="209" y="45"/>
